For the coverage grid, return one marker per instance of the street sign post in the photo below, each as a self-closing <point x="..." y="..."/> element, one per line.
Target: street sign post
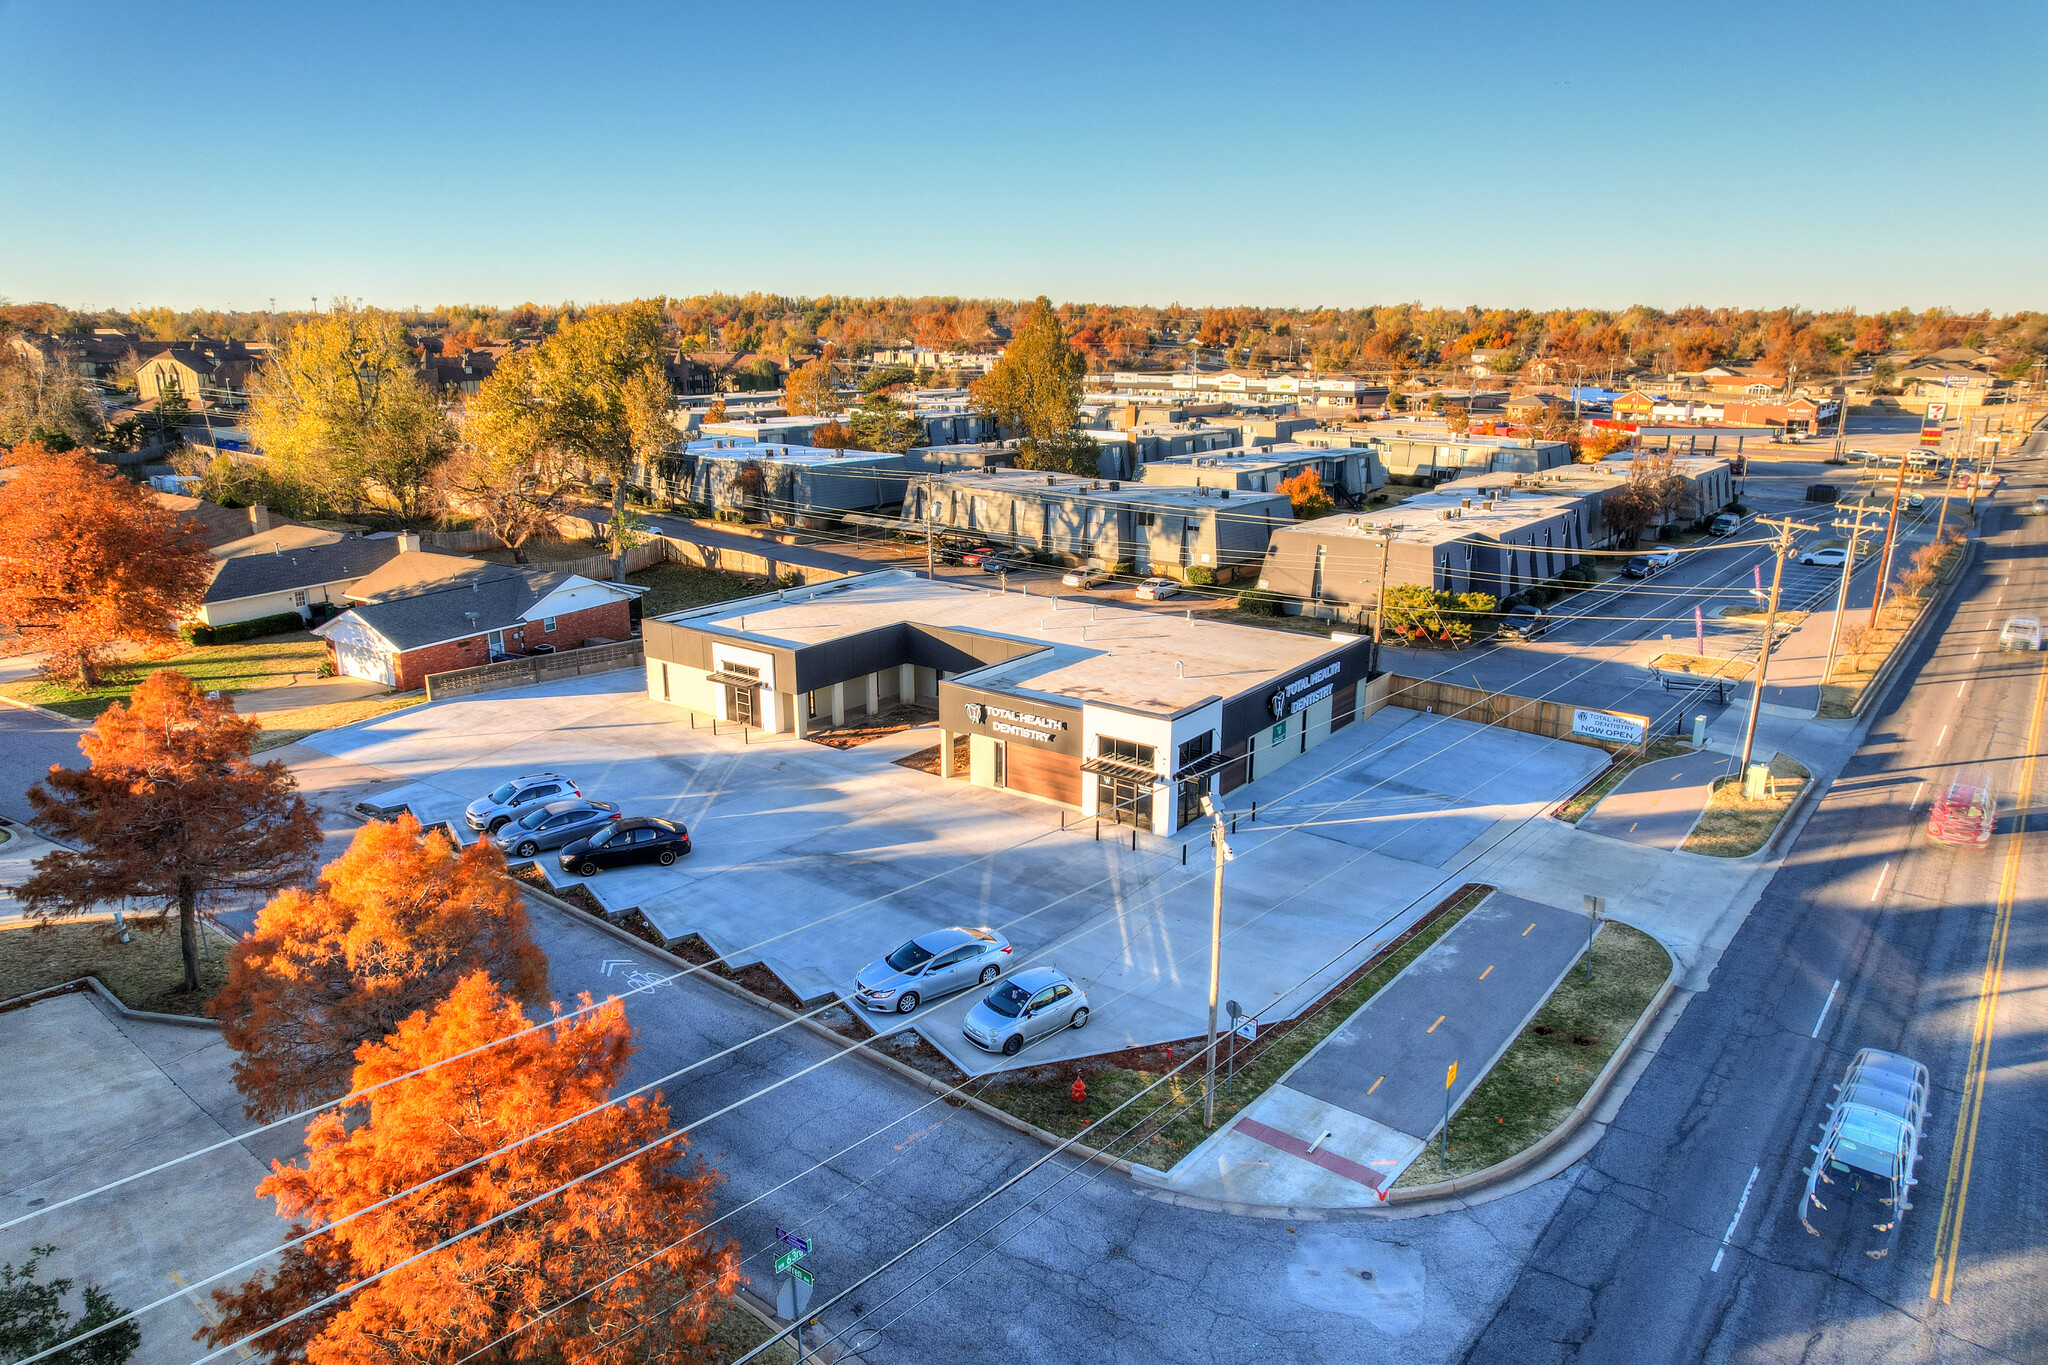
<point x="788" y="1259"/>
<point x="1450" y="1079"/>
<point x="790" y="1239"/>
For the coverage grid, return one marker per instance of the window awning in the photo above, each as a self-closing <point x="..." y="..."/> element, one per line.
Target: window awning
<point x="735" y="680"/>
<point x="1203" y="766"/>
<point x="1120" y="767"/>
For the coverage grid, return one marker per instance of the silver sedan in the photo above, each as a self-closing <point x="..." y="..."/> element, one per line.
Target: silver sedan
<point x="929" y="966"/>
<point x="552" y="825"/>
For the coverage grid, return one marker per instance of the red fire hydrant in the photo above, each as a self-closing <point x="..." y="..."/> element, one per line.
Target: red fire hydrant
<point x="1080" y="1091"/>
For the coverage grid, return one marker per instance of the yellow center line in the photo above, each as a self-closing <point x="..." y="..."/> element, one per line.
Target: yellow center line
<point x="1489" y="967"/>
<point x="1439" y="1019"/>
<point x="1374" y="1086"/>
<point x="1525" y="932"/>
<point x="1955" y="1196"/>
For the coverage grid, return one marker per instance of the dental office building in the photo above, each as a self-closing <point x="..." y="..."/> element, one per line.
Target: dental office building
<point x="1127" y="715"/>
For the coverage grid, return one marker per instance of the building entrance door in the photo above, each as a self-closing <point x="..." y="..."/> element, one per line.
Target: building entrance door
<point x="740" y="702"/>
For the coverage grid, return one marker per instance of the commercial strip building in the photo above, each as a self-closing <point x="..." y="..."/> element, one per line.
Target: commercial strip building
<point x="1328" y="391"/>
<point x="1349" y="473"/>
<point x="1125" y="715"/>
<point x="1157" y="529"/>
<point x="1435" y="456"/>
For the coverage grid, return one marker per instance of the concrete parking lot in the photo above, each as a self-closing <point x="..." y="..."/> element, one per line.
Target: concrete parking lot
<point x="816" y="860"/>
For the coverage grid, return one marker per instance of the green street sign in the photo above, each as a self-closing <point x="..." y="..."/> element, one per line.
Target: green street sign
<point x="802" y="1274"/>
<point x="788" y="1259"/>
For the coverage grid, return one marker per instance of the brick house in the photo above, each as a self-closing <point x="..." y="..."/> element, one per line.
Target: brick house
<point x="426" y="613"/>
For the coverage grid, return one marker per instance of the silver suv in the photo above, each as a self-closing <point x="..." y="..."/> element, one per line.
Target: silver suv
<point x="509" y="799"/>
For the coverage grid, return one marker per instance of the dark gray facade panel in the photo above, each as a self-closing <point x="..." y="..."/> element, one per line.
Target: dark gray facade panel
<point x="1252" y="711"/>
<point x="964" y="709"/>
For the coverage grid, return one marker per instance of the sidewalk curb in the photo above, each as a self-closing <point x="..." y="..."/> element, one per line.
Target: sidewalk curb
<point x="92" y="984"/>
<point x="42" y="711"/>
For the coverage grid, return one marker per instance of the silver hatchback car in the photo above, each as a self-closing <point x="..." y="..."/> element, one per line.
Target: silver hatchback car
<point x="1026" y="1007"/>
<point x="929" y="966"/>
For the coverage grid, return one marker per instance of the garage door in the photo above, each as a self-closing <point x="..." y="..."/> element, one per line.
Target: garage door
<point x="1038" y="773"/>
<point x="362" y="661"/>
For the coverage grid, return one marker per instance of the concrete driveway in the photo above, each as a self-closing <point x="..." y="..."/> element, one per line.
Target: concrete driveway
<point x="1658" y="804"/>
<point x="816" y="861"/>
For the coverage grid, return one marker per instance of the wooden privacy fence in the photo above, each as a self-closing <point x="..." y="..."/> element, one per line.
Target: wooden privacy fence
<point x="535" y="668"/>
<point x="1550" y="719"/>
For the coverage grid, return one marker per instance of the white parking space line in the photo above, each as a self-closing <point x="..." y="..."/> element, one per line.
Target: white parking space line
<point x="1754" y="1171"/>
<point x="1880" y="879"/>
<point x="1825" y="1005"/>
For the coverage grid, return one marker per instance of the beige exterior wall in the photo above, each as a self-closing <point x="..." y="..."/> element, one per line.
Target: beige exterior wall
<point x="686" y="687"/>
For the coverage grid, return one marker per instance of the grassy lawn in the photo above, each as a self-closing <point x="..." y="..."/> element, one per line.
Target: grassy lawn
<point x="1862" y="657"/>
<point x="678" y="587"/>
<point x="1786" y="619"/>
<point x="1706" y="665"/>
<point x="268" y="661"/>
<point x="737" y="1332"/>
<point x="1574" y="809"/>
<point x="1548" y="1069"/>
<point x="289" y="727"/>
<point x="538" y="551"/>
<point x="1734" y="826"/>
<point x="1042" y="1095"/>
<point x="145" y="973"/>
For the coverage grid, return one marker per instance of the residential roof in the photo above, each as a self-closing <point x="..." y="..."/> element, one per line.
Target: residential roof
<point x="498" y="598"/>
<point x="281" y="537"/>
<point x="419" y="571"/>
<point x="338" y="560"/>
<point x="1032" y="483"/>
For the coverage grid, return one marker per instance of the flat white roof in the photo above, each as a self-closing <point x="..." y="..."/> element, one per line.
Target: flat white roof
<point x="1098" y="654"/>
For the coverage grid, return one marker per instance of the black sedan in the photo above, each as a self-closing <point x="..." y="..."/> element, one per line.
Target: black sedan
<point x="639" y="840"/>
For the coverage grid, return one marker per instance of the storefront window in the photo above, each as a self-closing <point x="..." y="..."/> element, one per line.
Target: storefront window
<point x="1120" y="794"/>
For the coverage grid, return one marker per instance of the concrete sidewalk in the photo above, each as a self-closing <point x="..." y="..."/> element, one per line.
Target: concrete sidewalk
<point x="1658" y="804"/>
<point x="311" y="692"/>
<point x="1339" y="1128"/>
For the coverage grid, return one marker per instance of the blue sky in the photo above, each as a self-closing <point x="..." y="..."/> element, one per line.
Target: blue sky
<point x="1873" y="155"/>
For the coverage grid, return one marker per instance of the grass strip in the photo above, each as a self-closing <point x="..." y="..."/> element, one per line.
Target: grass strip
<point x="1575" y="809"/>
<point x="267" y="661"/>
<point x="1735" y="826"/>
<point x="289" y="727"/>
<point x="146" y="973"/>
<point x="1044" y="1095"/>
<point x="678" y="587"/>
<point x="1704" y="665"/>
<point x="1554" y="1061"/>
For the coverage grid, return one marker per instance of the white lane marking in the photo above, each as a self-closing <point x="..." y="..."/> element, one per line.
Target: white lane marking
<point x="1940" y="737"/>
<point x="1880" y="879"/>
<point x="1916" y="794"/>
<point x="1959" y="688"/>
<point x="1753" y="1171"/>
<point x="1825" y="1005"/>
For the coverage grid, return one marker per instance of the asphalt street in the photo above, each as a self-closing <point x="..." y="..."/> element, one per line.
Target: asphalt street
<point x="1680" y="1241"/>
<point x="30" y="742"/>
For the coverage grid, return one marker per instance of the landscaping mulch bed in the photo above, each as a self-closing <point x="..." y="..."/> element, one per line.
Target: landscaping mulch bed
<point x="927" y="760"/>
<point x="145" y="973"/>
<point x="888" y="721"/>
<point x="1733" y="825"/>
<point x="1553" y="1063"/>
<point x="581" y="898"/>
<point x="755" y="977"/>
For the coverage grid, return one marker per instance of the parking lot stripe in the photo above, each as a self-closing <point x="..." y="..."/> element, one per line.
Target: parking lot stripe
<point x="1375" y="1085"/>
<point x="1489" y="968"/>
<point x="1439" y="1019"/>
<point x="1525" y="932"/>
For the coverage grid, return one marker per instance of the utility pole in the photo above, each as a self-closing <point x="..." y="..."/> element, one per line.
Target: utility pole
<point x="930" y="555"/>
<point x="1891" y="540"/>
<point x="1786" y="528"/>
<point x="1379" y="604"/>
<point x="1855" y="530"/>
<point x="1223" y="855"/>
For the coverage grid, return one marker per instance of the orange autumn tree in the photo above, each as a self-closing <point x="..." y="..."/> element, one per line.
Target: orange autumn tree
<point x="168" y="811"/>
<point x="1305" y="490"/>
<point x="88" y="562"/>
<point x="541" y="1278"/>
<point x="394" y="919"/>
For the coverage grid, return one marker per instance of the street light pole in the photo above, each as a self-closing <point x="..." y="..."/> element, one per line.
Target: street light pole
<point x="1855" y="531"/>
<point x="1786" y="527"/>
<point x="1891" y="540"/>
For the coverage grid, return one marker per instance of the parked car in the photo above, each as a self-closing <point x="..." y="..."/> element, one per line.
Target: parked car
<point x="638" y="840"/>
<point x="995" y="564"/>
<point x="1724" y="524"/>
<point x="1663" y="559"/>
<point x="929" y="966"/>
<point x="973" y="557"/>
<point x="1026" y="1007"/>
<point x="954" y="550"/>
<point x="552" y="825"/>
<point x="1157" y="590"/>
<point x="1639" y="566"/>
<point x="514" y="798"/>
<point x="2020" y="632"/>
<point x="1861" y="1178"/>
<point x="1087" y="576"/>
<point x="1524" y="623"/>
<point x="1828" y="557"/>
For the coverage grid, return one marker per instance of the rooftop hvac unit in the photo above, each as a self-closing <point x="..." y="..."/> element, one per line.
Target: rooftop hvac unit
<point x="1464" y="502"/>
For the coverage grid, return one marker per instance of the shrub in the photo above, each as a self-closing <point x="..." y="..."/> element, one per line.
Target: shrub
<point x="793" y="578"/>
<point x="1668" y="531"/>
<point x="1201" y="576"/>
<point x="1578" y="573"/>
<point x="1123" y="568"/>
<point x="197" y="634"/>
<point x="1259" y="602"/>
